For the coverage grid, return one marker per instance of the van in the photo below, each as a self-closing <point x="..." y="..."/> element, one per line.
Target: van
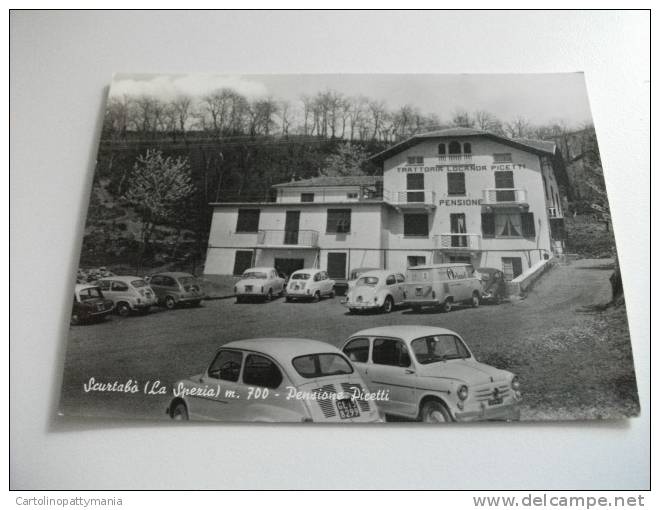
<point x="442" y="285"/>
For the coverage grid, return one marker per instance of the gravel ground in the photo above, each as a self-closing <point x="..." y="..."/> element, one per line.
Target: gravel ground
<point x="573" y="364"/>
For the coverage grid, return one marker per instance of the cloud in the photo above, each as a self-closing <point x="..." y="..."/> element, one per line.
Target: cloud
<point x="169" y="86"/>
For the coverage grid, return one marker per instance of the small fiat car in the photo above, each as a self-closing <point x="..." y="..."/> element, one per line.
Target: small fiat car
<point x="275" y="380"/>
<point x="176" y="288"/>
<point x="442" y="285"/>
<point x="309" y="284"/>
<point x="263" y="283"/>
<point x="89" y="304"/>
<point x="376" y="290"/>
<point x="128" y="293"/>
<point x="430" y="375"/>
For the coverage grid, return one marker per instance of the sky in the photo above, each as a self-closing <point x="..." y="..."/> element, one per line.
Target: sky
<point x="541" y="98"/>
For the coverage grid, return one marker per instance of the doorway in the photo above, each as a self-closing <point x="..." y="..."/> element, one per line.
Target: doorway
<point x="337" y="265"/>
<point x="511" y="267"/>
<point x="288" y="266"/>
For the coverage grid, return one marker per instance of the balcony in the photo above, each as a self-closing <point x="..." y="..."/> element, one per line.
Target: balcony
<point x="504" y="196"/>
<point x="458" y="242"/>
<point x="454" y="157"/>
<point x="553" y="212"/>
<point x="287" y="238"/>
<point x="410" y="199"/>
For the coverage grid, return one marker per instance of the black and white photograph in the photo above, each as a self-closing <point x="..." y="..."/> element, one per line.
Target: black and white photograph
<point x="349" y="248"/>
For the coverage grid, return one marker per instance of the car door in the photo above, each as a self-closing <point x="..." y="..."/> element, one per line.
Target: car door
<point x="357" y="351"/>
<point x="391" y="370"/>
<point x="119" y="291"/>
<point x="223" y="373"/>
<point x="106" y="288"/>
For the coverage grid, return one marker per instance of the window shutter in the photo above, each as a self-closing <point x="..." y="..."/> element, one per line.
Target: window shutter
<point x="488" y="224"/>
<point x="528" y="227"/>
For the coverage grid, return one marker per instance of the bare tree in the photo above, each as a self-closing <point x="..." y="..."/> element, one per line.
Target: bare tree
<point x="461" y="118"/>
<point x="519" y="127"/>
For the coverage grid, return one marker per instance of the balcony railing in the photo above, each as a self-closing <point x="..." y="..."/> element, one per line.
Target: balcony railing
<point x="410" y="198"/>
<point x="458" y="241"/>
<point x="454" y="157"/>
<point x="553" y="212"/>
<point x="300" y="238"/>
<point x="504" y="196"/>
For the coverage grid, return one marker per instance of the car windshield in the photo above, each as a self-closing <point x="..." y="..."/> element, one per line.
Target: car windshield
<point x="138" y="283"/>
<point x="321" y="365"/>
<point x="369" y="281"/>
<point x="300" y="276"/>
<point x="187" y="280"/>
<point x="254" y="274"/>
<point x="90" y="293"/>
<point x="431" y="349"/>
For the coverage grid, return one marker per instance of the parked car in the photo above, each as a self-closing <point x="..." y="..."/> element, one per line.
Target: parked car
<point x="493" y="285"/>
<point x="89" y="304"/>
<point x="275" y="380"/>
<point x="259" y="283"/>
<point x="442" y="285"/>
<point x="128" y="294"/>
<point x="342" y="286"/>
<point x="376" y="290"/>
<point x="309" y="284"/>
<point x="176" y="288"/>
<point x="430" y="375"/>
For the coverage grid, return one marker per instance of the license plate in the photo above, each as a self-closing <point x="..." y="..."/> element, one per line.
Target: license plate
<point x="347" y="409"/>
<point x="418" y="292"/>
<point x="495" y="401"/>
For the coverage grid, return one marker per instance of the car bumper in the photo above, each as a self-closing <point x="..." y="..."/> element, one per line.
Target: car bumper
<point x="190" y="299"/>
<point x="297" y="294"/>
<point x="503" y="412"/>
<point x="370" y="305"/>
<point x="421" y="302"/>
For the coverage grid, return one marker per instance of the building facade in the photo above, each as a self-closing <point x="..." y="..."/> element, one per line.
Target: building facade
<point x="457" y="195"/>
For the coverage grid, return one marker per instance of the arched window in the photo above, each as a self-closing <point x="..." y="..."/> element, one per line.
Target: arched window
<point x="467" y="148"/>
<point x="442" y="150"/>
<point x="454" y="148"/>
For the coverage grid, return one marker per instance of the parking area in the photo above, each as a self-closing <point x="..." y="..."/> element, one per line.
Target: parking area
<point x="573" y="363"/>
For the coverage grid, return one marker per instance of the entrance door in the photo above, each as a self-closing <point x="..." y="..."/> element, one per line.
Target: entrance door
<point x="288" y="266"/>
<point x="511" y="267"/>
<point x="457" y="225"/>
<point x="337" y="266"/>
<point x="291" y="227"/>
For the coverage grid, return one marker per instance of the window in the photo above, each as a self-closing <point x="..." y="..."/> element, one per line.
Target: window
<point x="119" y="287"/>
<point x="528" y="227"/>
<point x="457" y="224"/>
<point x="456" y="183"/>
<point x="226" y="366"/>
<point x="415" y="160"/>
<point x="104" y="284"/>
<point x="242" y="261"/>
<point x="358" y="350"/>
<point x="390" y="352"/>
<point x="307" y="197"/>
<point x="248" y="220"/>
<point x="163" y="281"/>
<point x="416" y="260"/>
<point x="339" y="221"/>
<point x="415" y="181"/>
<point x="504" y="179"/>
<point x="400" y="278"/>
<point x="261" y="371"/>
<point x="415" y="225"/>
<point x="488" y="225"/>
<point x="352" y="195"/>
<point x="508" y="225"/>
<point x="435" y="348"/>
<point x="321" y="365"/>
<point x="467" y="148"/>
<point x="504" y="157"/>
<point x="454" y="148"/>
<point x="442" y="149"/>
<point x="390" y="280"/>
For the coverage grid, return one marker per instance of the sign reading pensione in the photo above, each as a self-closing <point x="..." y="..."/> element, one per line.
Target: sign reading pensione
<point x="460" y="168"/>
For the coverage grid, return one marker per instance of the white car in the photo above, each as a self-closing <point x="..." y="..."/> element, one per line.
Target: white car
<point x="128" y="294"/>
<point x="276" y="380"/>
<point x="310" y="284"/>
<point x="376" y="290"/>
<point x="429" y="374"/>
<point x="259" y="283"/>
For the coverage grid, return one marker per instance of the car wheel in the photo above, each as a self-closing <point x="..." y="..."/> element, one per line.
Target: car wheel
<point x="75" y="319"/>
<point x="446" y="306"/>
<point x="170" y="303"/>
<point x="269" y="295"/>
<point x="123" y="310"/>
<point x="317" y="297"/>
<point x="476" y="300"/>
<point x="180" y="412"/>
<point x="388" y="305"/>
<point x="435" y="412"/>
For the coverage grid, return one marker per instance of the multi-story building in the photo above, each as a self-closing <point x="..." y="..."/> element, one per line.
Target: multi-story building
<point x="446" y="196"/>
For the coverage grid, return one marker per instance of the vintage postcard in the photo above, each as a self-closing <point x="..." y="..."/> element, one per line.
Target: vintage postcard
<point x="349" y="249"/>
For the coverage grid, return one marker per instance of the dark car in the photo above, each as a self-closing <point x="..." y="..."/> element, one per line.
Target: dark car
<point x="89" y="304"/>
<point x="493" y="284"/>
<point x="176" y="288"/>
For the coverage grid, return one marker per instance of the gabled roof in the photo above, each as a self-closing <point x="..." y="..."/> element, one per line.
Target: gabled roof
<point x="539" y="147"/>
<point x="328" y="181"/>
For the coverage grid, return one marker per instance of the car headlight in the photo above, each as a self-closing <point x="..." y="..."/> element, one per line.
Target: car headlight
<point x="515" y="383"/>
<point x="462" y="392"/>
